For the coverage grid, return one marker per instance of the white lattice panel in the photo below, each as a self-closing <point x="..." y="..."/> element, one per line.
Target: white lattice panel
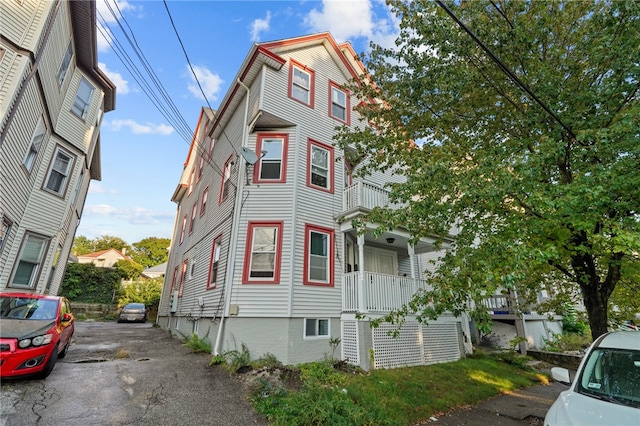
<point x="350" y="342"/>
<point x="441" y="342"/>
<point x="401" y="351"/>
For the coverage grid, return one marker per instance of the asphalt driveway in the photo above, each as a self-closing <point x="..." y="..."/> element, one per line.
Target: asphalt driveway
<point x="128" y="374"/>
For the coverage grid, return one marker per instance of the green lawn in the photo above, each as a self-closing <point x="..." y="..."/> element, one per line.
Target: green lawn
<point x="402" y="396"/>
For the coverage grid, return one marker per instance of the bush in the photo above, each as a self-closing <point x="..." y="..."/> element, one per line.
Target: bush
<point x="86" y="283"/>
<point x="142" y="291"/>
<point x="567" y="342"/>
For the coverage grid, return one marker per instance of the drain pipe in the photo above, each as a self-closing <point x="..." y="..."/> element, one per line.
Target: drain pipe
<point x="234" y="225"/>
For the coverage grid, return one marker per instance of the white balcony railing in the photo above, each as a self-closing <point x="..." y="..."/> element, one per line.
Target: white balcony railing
<point x="364" y="195"/>
<point x="377" y="292"/>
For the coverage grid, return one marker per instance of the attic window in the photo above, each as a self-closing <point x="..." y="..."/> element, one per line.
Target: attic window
<point x="301" y="83"/>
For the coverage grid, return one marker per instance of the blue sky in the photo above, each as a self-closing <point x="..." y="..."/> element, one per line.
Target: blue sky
<point x="145" y="143"/>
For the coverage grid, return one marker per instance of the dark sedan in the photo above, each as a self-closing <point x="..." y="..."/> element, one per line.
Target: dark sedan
<point x="133" y="312"/>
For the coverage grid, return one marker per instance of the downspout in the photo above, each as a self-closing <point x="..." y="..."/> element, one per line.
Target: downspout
<point x="234" y="226"/>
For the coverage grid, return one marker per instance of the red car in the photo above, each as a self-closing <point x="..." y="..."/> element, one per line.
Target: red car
<point x="35" y="330"/>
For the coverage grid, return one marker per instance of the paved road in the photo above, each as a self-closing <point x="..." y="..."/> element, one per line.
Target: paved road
<point x="128" y="374"/>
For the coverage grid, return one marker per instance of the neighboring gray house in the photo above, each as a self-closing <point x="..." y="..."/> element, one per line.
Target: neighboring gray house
<point x="155" y="271"/>
<point x="52" y="99"/>
<point x="264" y="252"/>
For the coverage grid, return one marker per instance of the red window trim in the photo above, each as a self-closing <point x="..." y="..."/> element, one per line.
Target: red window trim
<point x="310" y="143"/>
<point x="203" y="200"/>
<point x="307" y="231"/>
<point x="285" y="147"/>
<point x="312" y="82"/>
<point x="173" y="281"/>
<point x="247" y="254"/>
<point x="333" y="84"/>
<point x="221" y="199"/>
<point x="217" y="239"/>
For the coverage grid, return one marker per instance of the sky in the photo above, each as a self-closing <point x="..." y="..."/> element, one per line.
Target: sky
<point x="151" y="50"/>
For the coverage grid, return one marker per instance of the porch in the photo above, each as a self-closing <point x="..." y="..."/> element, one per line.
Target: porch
<point x="372" y="292"/>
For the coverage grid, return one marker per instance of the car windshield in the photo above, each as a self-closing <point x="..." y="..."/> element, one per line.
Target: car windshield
<point x="25" y="308"/>
<point x="612" y="375"/>
<point x="134" y="306"/>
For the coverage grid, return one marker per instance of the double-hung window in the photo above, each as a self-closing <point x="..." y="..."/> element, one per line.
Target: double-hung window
<point x="226" y="179"/>
<point x="30" y="261"/>
<point x="58" y="175"/>
<point x="83" y="99"/>
<point x="64" y="66"/>
<point x="34" y="146"/>
<point x="273" y="162"/>
<point x="263" y="252"/>
<point x="301" y="83"/>
<point x="183" y="228"/>
<point x="320" y="166"/>
<point x="194" y="210"/>
<point x="214" y="267"/>
<point x="318" y="256"/>
<point x="183" y="276"/>
<point x="339" y="103"/>
<point x="203" y="202"/>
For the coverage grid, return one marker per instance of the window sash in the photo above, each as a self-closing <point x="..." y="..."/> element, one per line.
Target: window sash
<point x="301" y="85"/>
<point x="83" y="99"/>
<point x="316" y="327"/>
<point x="318" y="256"/>
<point x="29" y="263"/>
<point x="263" y="252"/>
<point x="64" y="66"/>
<point x="319" y="166"/>
<point x="338" y="104"/>
<point x="215" y="263"/>
<point x="271" y="162"/>
<point x="59" y="172"/>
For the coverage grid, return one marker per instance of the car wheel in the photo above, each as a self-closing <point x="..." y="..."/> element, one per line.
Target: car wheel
<point x="66" y="348"/>
<point x="48" y="368"/>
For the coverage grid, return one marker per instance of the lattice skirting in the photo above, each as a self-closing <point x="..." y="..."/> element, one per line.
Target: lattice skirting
<point x="416" y="344"/>
<point x="350" y="342"/>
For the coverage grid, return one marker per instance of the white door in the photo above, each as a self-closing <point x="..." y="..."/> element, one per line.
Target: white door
<point x="381" y="261"/>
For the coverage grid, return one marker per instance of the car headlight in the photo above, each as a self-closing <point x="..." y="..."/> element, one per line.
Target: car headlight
<point x="36" y="341"/>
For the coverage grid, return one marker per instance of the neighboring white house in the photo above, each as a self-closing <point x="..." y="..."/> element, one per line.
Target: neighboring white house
<point x="52" y="99"/>
<point x="264" y="252"/>
<point x="103" y="258"/>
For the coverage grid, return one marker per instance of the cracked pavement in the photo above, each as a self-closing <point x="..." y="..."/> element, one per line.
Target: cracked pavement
<point x="128" y="374"/>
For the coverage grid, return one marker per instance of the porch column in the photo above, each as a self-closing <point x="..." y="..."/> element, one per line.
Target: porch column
<point x="362" y="307"/>
<point x="412" y="259"/>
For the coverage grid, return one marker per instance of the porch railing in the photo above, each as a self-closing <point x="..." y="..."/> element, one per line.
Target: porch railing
<point x="378" y="292"/>
<point x="364" y="195"/>
<point x="498" y="304"/>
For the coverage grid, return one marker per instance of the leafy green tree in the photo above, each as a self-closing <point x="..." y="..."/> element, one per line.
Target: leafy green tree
<point x="539" y="191"/>
<point x="128" y="269"/>
<point x="151" y="251"/>
<point x="85" y="282"/>
<point x="106" y="242"/>
<point x="82" y="245"/>
<point x="142" y="291"/>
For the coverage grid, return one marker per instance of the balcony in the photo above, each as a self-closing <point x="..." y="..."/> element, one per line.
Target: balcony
<point x="378" y="293"/>
<point x="364" y="196"/>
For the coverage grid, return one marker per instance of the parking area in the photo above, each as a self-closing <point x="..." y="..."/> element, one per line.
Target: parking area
<point x="128" y="374"/>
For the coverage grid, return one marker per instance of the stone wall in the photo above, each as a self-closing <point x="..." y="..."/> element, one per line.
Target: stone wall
<point x="568" y="361"/>
<point x="94" y="309"/>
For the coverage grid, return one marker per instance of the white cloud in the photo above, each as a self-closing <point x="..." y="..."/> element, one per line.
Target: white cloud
<point x="211" y="83"/>
<point x="97" y="188"/>
<point x="132" y="215"/>
<point x="259" y="26"/>
<point x="138" y="128"/>
<point x="346" y="20"/>
<point x="122" y="85"/>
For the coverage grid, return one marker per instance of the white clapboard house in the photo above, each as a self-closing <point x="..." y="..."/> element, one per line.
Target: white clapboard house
<point x="52" y="99"/>
<point x="264" y="252"/>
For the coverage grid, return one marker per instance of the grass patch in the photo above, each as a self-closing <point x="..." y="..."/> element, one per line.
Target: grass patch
<point x="197" y="344"/>
<point x="402" y="396"/>
<point x="122" y="354"/>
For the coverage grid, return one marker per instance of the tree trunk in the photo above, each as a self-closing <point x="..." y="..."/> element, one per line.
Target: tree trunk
<point x="596" y="307"/>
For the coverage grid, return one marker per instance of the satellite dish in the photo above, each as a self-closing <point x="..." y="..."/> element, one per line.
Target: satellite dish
<point x="249" y="156"/>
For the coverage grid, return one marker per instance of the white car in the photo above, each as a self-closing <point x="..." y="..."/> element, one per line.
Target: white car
<point x="606" y="389"/>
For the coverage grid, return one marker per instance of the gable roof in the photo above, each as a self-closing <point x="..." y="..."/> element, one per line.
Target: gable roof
<point x="98" y="254"/>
